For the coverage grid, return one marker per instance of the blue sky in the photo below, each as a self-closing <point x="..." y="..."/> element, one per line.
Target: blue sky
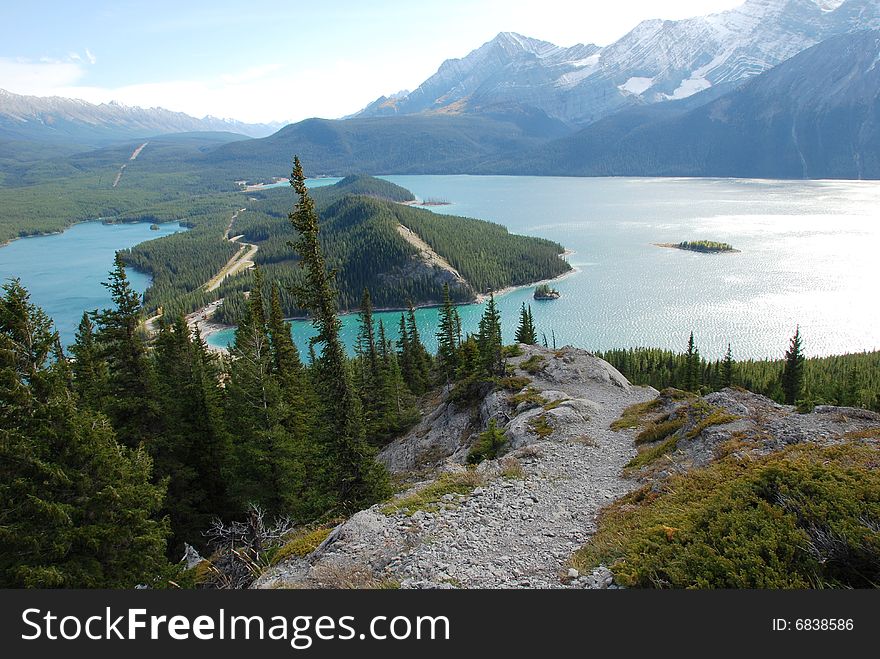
<point x="279" y="62"/>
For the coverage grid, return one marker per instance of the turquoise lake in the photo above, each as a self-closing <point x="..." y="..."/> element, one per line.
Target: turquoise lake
<point x="63" y="272"/>
<point x="808" y="256"/>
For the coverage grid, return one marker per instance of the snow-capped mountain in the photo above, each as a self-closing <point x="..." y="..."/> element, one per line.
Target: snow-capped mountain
<point x="41" y="118"/>
<point x="813" y="116"/>
<point x="657" y="61"/>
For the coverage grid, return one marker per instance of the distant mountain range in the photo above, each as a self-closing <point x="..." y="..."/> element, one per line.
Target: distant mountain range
<point x="65" y="120"/>
<point x="817" y="115"/>
<point x="657" y="61"/>
<point x="774" y="88"/>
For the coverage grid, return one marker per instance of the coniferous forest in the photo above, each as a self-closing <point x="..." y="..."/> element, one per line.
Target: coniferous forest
<point x="361" y="238"/>
<point x="120" y="452"/>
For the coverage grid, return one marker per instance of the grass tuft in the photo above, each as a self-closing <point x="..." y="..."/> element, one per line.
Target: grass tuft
<point x="429" y="497"/>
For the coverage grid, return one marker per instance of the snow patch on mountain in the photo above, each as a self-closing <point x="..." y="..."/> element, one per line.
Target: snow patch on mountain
<point x="584" y="83"/>
<point x="636" y="85"/>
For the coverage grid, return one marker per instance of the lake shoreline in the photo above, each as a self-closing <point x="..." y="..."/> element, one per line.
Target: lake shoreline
<point x="207" y="327"/>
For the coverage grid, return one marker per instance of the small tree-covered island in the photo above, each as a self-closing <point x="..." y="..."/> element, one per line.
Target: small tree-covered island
<point x="545" y="292"/>
<point x="704" y="246"/>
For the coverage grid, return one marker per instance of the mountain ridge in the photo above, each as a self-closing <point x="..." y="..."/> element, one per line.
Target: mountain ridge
<point x="55" y="118"/>
<point x="656" y="61"/>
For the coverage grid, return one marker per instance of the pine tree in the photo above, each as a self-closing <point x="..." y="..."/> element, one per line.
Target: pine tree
<point x="397" y="405"/>
<point x="271" y="462"/>
<point x="90" y="373"/>
<point x="79" y="510"/>
<point x="727" y="368"/>
<point x="692" y="366"/>
<point x="285" y="354"/>
<point x="421" y="360"/>
<point x="130" y="401"/>
<point x="194" y="451"/>
<point x="357" y="479"/>
<point x="792" y="380"/>
<point x="405" y="355"/>
<point x="367" y="372"/>
<point x="489" y="339"/>
<point x="447" y="345"/>
<point x="525" y="332"/>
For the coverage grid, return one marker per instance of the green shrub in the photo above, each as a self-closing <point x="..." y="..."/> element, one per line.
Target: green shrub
<point x="634" y="415"/>
<point x="714" y="417"/>
<point x="649" y="454"/>
<point x="533" y="364"/>
<point x="540" y="425"/>
<point x="488" y="444"/>
<point x="301" y="543"/>
<point x="514" y="382"/>
<point x="654" y="431"/>
<point x="807" y="516"/>
<point x="511" y="351"/>
<point x="530" y="395"/>
<point x="429" y="497"/>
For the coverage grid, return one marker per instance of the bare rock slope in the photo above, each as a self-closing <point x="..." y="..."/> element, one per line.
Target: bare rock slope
<point x="514" y="521"/>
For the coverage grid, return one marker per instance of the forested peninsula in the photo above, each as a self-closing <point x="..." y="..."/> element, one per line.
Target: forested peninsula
<point x="371" y="238"/>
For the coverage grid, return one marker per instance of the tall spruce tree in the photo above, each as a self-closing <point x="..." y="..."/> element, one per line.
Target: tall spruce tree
<point x="397" y="408"/>
<point x="692" y="366"/>
<point x="525" y="332"/>
<point x="447" y="343"/>
<point x="356" y="478"/>
<point x="271" y="457"/>
<point x="792" y="380"/>
<point x="194" y="451"/>
<point x="489" y="339"/>
<point x="727" y="368"/>
<point x="90" y="373"/>
<point x="368" y="371"/>
<point x="79" y="510"/>
<point x="421" y="360"/>
<point x="131" y="398"/>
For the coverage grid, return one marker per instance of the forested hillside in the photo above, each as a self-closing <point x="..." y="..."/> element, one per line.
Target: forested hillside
<point x="362" y="241"/>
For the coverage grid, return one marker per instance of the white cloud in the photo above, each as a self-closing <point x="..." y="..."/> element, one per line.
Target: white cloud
<point x="41" y="78"/>
<point x="259" y="94"/>
<point x="92" y="59"/>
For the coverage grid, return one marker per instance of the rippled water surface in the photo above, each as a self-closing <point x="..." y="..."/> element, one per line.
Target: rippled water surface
<point x="809" y="255"/>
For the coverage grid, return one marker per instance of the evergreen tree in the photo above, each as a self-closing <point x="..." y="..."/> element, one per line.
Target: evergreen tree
<point x="447" y="344"/>
<point x="405" y="355"/>
<point x="194" y="452"/>
<point x="285" y="355"/>
<point x="489" y="339"/>
<point x="469" y="361"/>
<point x="367" y="372"/>
<point x="78" y="510"/>
<point x="271" y="462"/>
<point x="357" y="479"/>
<point x="727" y="368"/>
<point x="792" y="380"/>
<point x="525" y="332"/>
<point x="130" y="402"/>
<point x="420" y="359"/>
<point x="90" y="373"/>
<point x="397" y="405"/>
<point x="692" y="366"/>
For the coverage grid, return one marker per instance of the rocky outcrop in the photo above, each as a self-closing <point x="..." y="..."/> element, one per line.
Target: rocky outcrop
<point x="518" y="518"/>
<point x="515" y="521"/>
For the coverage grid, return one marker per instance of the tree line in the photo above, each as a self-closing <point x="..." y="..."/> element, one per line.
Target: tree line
<point x="849" y="380"/>
<point x="120" y="452"/>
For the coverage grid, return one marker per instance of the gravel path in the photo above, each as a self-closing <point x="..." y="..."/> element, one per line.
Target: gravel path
<point x="508" y="532"/>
